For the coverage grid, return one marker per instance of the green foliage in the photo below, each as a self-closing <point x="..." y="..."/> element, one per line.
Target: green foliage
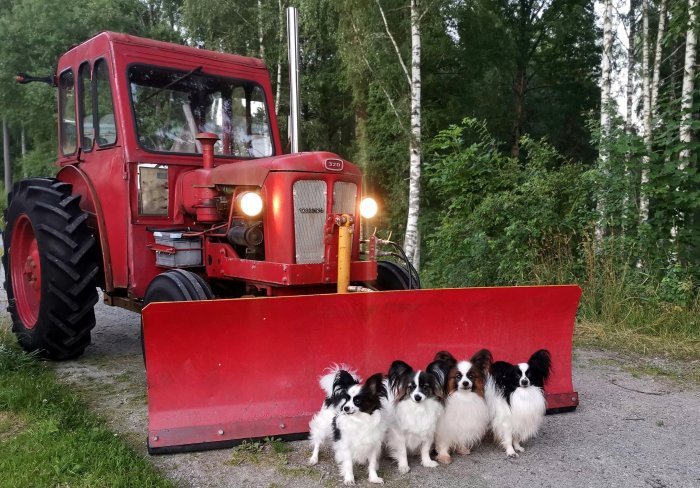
<point x="500" y="217"/>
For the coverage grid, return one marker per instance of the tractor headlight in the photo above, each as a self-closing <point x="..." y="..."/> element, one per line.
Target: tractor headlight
<point x="250" y="203"/>
<point x="368" y="208"/>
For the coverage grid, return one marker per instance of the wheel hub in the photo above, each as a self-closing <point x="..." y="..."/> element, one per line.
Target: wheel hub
<point x="25" y="268"/>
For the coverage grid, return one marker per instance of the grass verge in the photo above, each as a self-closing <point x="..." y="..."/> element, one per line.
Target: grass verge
<point x="48" y="438"/>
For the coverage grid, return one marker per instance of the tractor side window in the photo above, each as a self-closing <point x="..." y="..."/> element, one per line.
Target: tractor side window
<point x="106" y="128"/>
<point x="66" y="104"/>
<point x="250" y="129"/>
<point x="87" y="132"/>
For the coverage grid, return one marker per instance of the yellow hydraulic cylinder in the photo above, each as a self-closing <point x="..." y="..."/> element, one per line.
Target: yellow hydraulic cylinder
<point x="344" y="248"/>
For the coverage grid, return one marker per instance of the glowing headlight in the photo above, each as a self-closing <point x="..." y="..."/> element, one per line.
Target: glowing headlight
<point x="250" y="203"/>
<point x="368" y="208"/>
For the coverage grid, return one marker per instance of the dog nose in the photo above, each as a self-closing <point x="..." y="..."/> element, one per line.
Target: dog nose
<point x="346" y="408"/>
<point x="417" y="398"/>
<point x="525" y="382"/>
<point x="466" y="384"/>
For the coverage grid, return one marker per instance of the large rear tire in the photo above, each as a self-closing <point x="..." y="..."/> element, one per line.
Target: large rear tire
<point x="51" y="269"/>
<point x="177" y="285"/>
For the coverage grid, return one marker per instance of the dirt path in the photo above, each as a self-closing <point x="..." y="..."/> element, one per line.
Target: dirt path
<point x="631" y="430"/>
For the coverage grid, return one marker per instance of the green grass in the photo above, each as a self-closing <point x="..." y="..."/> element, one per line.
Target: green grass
<point x="48" y="438"/>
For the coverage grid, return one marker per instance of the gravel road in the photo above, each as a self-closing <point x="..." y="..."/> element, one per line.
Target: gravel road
<point x="631" y="430"/>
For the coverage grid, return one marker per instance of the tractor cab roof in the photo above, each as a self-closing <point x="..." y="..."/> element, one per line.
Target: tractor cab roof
<point x="165" y="51"/>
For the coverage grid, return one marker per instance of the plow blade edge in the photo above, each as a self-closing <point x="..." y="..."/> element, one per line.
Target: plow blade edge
<point x="222" y="371"/>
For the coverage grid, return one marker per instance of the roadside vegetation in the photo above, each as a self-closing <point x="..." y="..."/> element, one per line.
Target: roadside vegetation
<point x="531" y="172"/>
<point x="48" y="438"/>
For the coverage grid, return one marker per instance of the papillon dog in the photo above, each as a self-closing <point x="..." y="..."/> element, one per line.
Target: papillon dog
<point x="415" y="403"/>
<point x="357" y="423"/>
<point x="515" y="397"/>
<point x="466" y="417"/>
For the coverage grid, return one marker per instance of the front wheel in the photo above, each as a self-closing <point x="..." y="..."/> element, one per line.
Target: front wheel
<point x="50" y="269"/>
<point x="177" y="285"/>
<point x="392" y="276"/>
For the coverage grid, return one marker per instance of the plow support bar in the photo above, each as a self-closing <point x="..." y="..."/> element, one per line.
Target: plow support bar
<point x="222" y="371"/>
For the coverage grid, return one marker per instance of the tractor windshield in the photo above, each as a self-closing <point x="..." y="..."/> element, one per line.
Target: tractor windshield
<point x="171" y="107"/>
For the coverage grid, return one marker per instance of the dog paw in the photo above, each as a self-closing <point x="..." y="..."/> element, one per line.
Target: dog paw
<point x="430" y="464"/>
<point x="376" y="479"/>
<point x="463" y="451"/>
<point x="313" y="461"/>
<point x="512" y="454"/>
<point x="444" y="458"/>
<point x="519" y="448"/>
<point x="349" y="481"/>
<point x="404" y="469"/>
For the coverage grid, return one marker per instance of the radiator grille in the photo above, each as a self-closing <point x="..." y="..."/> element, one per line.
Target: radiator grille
<point x="309" y="220"/>
<point x="344" y="195"/>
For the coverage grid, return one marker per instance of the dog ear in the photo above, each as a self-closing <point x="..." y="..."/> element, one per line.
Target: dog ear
<point x="447" y="358"/>
<point x="440" y="371"/>
<point x="541" y="364"/>
<point x="482" y="360"/>
<point x="342" y="381"/>
<point x="375" y="385"/>
<point x="397" y="370"/>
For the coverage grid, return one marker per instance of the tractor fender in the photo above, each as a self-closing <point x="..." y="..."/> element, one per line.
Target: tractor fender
<point x="90" y="203"/>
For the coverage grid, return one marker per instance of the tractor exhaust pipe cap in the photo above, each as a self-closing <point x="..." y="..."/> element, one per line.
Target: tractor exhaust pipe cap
<point x="207" y="140"/>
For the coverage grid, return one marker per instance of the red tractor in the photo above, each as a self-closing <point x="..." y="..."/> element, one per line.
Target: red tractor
<point x="173" y="186"/>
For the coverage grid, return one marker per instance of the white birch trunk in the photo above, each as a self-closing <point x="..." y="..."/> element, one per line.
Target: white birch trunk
<point x="261" y="46"/>
<point x="631" y="67"/>
<point x="688" y="83"/>
<point x="657" y="58"/>
<point x="411" y="238"/>
<point x="646" y="114"/>
<point x="605" y="99"/>
<point x="278" y="89"/>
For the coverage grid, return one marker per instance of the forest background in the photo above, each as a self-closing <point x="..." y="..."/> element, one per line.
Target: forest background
<point x="508" y="141"/>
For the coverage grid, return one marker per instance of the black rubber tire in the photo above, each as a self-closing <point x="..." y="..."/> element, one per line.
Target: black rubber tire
<point x="392" y="276"/>
<point x="69" y="269"/>
<point x="176" y="285"/>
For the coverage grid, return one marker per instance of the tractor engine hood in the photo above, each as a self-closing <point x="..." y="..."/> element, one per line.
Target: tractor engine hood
<point x="254" y="172"/>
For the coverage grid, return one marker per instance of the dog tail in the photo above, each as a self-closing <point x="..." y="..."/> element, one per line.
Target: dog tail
<point x="338" y="376"/>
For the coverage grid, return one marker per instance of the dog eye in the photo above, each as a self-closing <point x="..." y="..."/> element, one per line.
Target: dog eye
<point x="411" y="385"/>
<point x="470" y="375"/>
<point x="459" y="376"/>
<point x="356" y="401"/>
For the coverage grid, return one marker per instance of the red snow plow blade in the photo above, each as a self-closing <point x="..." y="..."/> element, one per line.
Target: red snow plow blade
<point x="226" y="370"/>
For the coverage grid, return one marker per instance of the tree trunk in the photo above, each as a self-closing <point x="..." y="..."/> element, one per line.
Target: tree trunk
<point x="688" y="84"/>
<point x="278" y="89"/>
<point x="657" y="58"/>
<point x="631" y="198"/>
<point x="519" y="89"/>
<point x="631" y="47"/>
<point x="605" y="99"/>
<point x="646" y="98"/>
<point x="411" y="238"/>
<point x="261" y="45"/>
<point x="6" y="156"/>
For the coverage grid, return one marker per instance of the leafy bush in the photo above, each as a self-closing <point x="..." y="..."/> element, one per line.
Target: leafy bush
<point x="501" y="217"/>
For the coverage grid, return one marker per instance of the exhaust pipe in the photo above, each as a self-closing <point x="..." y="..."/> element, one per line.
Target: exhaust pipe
<point x="293" y="52"/>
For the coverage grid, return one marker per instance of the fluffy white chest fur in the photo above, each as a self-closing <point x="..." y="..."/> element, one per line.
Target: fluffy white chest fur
<point x="464" y="422"/>
<point x="527" y="406"/>
<point x="361" y="436"/>
<point x="519" y="421"/>
<point x="415" y="422"/>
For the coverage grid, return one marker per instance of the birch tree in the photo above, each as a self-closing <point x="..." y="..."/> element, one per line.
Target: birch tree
<point x="646" y="115"/>
<point x="605" y="107"/>
<point x="688" y="83"/>
<point x="411" y="237"/>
